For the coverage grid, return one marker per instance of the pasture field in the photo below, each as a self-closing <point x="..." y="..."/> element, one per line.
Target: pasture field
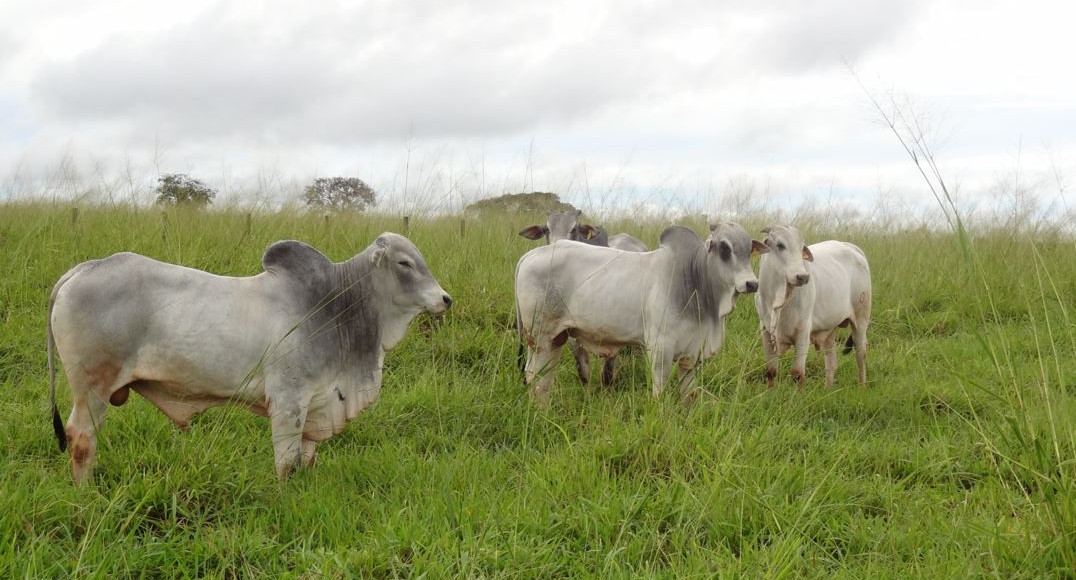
<point x="958" y="460"/>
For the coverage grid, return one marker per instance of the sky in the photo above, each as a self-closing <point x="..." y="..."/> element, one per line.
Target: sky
<point x="614" y="105"/>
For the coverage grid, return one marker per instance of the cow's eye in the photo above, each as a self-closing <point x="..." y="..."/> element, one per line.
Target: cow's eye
<point x="405" y="264"/>
<point x="725" y="251"/>
<point x="780" y="246"/>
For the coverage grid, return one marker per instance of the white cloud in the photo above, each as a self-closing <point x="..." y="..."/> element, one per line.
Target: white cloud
<point x="659" y="97"/>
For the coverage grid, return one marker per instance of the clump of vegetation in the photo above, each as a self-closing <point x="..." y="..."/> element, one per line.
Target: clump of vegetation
<point x="339" y="194"/>
<point x="180" y="189"/>
<point x="516" y="203"/>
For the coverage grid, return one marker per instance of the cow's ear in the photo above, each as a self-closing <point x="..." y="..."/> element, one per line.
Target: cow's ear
<point x="534" y="232"/>
<point x="807" y="255"/>
<point x="380" y="248"/>
<point x="588" y="231"/>
<point x="758" y="247"/>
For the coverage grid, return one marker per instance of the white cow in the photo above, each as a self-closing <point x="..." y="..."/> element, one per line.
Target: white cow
<point x="805" y="294"/>
<point x="564" y="225"/>
<point x="302" y="343"/>
<point x="673" y="301"/>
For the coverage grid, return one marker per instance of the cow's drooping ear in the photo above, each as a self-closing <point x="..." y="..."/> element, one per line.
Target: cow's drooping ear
<point x="758" y="247"/>
<point x="807" y="255"/>
<point x="587" y="231"/>
<point x="534" y="232"/>
<point x="378" y="257"/>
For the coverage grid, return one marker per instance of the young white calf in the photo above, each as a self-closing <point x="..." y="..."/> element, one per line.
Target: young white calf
<point x="805" y="294"/>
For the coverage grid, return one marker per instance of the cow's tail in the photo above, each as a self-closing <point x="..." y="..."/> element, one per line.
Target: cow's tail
<point x="520" y="359"/>
<point x="57" y="422"/>
<point x="849" y="345"/>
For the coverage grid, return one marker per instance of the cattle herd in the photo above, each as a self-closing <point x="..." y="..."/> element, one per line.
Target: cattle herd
<point x="303" y="342"/>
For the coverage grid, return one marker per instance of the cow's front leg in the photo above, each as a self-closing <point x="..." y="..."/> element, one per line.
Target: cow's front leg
<point x="287" y="418"/>
<point x="769" y="347"/>
<point x="802" y="347"/>
<point x="661" y="363"/>
<point x="309" y="452"/>
<point x="687" y="367"/>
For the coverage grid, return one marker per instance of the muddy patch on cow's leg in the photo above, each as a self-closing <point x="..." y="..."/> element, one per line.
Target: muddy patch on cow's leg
<point x="83" y="447"/>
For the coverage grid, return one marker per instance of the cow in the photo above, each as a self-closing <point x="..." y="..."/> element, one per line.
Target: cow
<point x="564" y="225"/>
<point x="302" y="342"/>
<point x="672" y="301"/>
<point x="805" y="294"/>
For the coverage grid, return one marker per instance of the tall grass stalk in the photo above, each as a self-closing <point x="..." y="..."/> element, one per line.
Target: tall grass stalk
<point x="1036" y="444"/>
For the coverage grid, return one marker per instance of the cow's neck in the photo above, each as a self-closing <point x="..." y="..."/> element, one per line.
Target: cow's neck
<point x="355" y="312"/>
<point x="774" y="293"/>
<point x="708" y="299"/>
<point x="393" y="324"/>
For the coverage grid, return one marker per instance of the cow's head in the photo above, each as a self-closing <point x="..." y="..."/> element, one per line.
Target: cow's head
<point x="562" y="225"/>
<point x="788" y="254"/>
<point x="404" y="278"/>
<point x="732" y="248"/>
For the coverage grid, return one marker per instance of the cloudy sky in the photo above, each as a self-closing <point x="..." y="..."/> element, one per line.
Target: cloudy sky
<point x="609" y="103"/>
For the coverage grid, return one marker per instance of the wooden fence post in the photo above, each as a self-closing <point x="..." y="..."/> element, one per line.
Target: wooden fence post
<point x="74" y="217"/>
<point x="463" y="227"/>
<point x="406" y="225"/>
<point x="247" y="224"/>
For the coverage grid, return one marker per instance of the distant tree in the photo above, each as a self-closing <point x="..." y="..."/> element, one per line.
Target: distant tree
<point x="182" y="190"/>
<point x="536" y="202"/>
<point x="340" y="193"/>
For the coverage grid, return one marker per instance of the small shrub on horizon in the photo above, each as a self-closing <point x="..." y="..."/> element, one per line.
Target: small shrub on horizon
<point x="179" y="189"/>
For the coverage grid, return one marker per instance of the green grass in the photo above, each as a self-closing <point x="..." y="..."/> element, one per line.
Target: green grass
<point x="957" y="461"/>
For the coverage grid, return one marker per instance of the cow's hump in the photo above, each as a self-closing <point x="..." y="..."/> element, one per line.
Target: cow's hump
<point x="295" y="259"/>
<point x="679" y="239"/>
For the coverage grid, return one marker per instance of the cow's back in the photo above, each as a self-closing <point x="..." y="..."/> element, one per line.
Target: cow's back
<point x="841" y="277"/>
<point x="154" y="319"/>
<point x="576" y="284"/>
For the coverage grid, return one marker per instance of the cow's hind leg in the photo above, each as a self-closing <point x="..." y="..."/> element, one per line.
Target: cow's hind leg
<point x="828" y="345"/>
<point x="608" y="370"/>
<point x="86" y="417"/>
<point x="859" y="337"/>
<point x="582" y="361"/>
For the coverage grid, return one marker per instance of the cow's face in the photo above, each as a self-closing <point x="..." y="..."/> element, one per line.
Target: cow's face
<point x="560" y="225"/>
<point x="731" y="248"/>
<point x="788" y="252"/>
<point x="406" y="279"/>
